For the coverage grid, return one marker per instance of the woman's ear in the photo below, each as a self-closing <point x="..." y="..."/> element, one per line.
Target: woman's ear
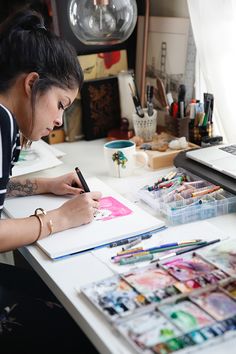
<point x="29" y="81"/>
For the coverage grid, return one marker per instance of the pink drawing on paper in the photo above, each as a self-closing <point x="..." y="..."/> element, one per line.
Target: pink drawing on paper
<point x="111" y="208"/>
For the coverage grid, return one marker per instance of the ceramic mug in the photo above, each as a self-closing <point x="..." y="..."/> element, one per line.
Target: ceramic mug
<point x="121" y="158"/>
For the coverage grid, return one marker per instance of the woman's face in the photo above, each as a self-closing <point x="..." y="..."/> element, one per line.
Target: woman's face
<point x="48" y="112"/>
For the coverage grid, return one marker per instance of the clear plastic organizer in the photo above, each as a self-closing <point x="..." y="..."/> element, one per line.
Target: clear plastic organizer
<point x="187" y="197"/>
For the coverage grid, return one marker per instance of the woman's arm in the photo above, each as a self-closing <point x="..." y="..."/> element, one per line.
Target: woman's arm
<point x="65" y="184"/>
<point x="77" y="211"/>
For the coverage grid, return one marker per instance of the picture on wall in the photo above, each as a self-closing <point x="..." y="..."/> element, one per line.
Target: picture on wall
<point x="100" y="107"/>
<point x="166" y="52"/>
<point x="100" y="65"/>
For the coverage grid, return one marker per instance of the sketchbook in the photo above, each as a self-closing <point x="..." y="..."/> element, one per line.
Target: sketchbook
<point x="117" y="219"/>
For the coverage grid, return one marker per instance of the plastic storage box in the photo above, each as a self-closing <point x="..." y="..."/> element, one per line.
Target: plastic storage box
<point x="188" y="199"/>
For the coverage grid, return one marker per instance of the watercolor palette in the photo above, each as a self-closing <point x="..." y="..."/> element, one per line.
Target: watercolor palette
<point x="219" y="305"/>
<point x="114" y="297"/>
<point x="149" y="329"/>
<point x="153" y="282"/>
<point x="177" y="326"/>
<point x="181" y="304"/>
<point x="223" y="256"/>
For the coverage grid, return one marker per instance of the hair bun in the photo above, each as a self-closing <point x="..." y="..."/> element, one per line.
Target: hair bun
<point x="29" y="20"/>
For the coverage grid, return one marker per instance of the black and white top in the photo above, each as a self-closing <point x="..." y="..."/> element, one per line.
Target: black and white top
<point x="9" y="149"/>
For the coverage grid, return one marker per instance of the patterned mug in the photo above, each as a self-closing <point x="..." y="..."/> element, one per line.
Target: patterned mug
<point x="122" y="158"/>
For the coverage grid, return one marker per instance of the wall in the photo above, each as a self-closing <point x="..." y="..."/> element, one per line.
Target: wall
<point x="169" y="8"/>
<point x="178" y="8"/>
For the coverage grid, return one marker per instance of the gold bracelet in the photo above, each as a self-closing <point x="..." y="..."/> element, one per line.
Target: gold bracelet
<point x="37" y="213"/>
<point x="40" y="226"/>
<point x="40" y="211"/>
<point x="50" y="225"/>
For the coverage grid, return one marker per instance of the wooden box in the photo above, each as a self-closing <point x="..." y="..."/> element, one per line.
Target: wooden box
<point x="157" y="159"/>
<point x="164" y="159"/>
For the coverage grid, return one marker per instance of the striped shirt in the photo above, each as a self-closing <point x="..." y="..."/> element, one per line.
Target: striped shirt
<point x="9" y="149"/>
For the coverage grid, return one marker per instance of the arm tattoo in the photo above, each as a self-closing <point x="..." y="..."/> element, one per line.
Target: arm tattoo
<point x="17" y="187"/>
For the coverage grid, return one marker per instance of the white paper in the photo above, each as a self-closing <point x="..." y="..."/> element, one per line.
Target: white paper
<point x="196" y="230"/>
<point x="39" y="156"/>
<point x="85" y="237"/>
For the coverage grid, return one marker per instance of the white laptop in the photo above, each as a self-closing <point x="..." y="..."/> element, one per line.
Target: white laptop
<point x="219" y="157"/>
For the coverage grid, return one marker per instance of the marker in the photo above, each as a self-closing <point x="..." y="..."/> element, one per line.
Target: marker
<point x="136" y="249"/>
<point x="181" y="109"/>
<point x="82" y="180"/>
<point x="133" y="260"/>
<point x="129" y="240"/>
<point x="135" y="255"/>
<point x="181" y="99"/>
<point x="131" y="244"/>
<point x="149" y="100"/>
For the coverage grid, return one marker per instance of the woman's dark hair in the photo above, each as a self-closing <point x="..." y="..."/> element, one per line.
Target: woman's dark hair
<point x="27" y="46"/>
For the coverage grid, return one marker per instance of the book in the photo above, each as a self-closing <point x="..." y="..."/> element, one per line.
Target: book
<point x="117" y="219"/>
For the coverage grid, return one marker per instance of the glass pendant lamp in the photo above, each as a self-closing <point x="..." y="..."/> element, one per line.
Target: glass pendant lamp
<point x="102" y="22"/>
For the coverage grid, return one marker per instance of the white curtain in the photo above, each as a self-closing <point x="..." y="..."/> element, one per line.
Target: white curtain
<point x="214" y="30"/>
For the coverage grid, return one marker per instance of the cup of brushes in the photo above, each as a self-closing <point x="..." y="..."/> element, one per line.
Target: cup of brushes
<point x="145" y="124"/>
<point x="144" y="120"/>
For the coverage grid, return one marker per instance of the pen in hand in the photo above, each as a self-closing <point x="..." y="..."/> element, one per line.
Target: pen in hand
<point x="82" y="180"/>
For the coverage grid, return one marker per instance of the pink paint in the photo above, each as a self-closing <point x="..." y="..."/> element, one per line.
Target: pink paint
<point x="111" y="208"/>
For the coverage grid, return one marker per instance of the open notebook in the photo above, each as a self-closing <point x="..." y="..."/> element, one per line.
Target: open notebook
<point x="118" y="219"/>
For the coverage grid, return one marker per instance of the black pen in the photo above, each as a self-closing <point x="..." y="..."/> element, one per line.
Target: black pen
<point x="82" y="180"/>
<point x="181" y="101"/>
<point x="189" y="249"/>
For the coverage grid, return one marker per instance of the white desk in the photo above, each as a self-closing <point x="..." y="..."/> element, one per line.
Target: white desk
<point x="64" y="276"/>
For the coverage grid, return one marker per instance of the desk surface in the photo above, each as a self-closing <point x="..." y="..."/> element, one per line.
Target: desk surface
<point x="65" y="276"/>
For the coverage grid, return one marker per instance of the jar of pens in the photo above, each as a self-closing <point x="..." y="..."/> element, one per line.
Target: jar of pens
<point x="201" y="125"/>
<point x="144" y="119"/>
<point x="177" y="121"/>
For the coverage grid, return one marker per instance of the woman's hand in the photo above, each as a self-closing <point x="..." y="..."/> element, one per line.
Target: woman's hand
<point x="78" y="210"/>
<point x="62" y="185"/>
<point x="65" y="184"/>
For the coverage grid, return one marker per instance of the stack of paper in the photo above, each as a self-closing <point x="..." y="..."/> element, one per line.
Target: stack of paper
<point x="39" y="156"/>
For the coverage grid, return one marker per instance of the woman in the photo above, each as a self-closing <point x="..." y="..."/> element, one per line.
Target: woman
<point x="39" y="78"/>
